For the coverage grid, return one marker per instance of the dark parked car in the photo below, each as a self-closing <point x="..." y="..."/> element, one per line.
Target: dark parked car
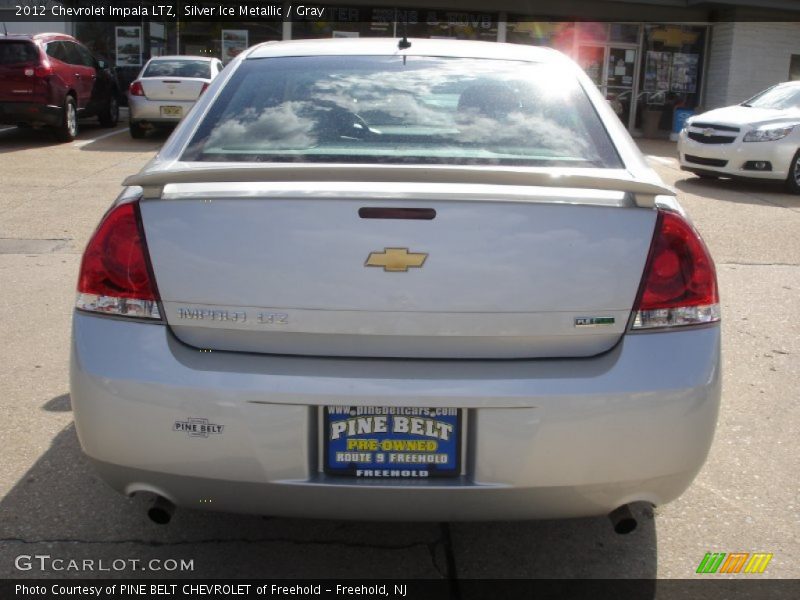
<point x="51" y="79"/>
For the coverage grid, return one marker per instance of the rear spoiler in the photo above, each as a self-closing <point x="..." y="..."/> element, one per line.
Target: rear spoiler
<point x="153" y="182"/>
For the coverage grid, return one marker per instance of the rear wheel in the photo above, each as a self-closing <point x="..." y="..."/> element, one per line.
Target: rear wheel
<point x="137" y="131"/>
<point x="68" y="129"/>
<point x="110" y="113"/>
<point x="793" y="180"/>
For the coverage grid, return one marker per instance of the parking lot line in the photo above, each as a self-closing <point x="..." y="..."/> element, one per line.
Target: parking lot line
<point x="662" y="160"/>
<point x="83" y="143"/>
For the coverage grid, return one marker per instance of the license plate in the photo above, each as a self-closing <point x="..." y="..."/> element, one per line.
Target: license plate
<point x="171" y="111"/>
<point x="390" y="441"/>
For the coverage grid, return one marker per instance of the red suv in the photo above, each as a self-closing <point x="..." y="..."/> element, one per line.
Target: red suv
<point x="52" y="79"/>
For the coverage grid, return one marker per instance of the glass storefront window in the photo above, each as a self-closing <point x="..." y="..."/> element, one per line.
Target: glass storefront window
<point x="794" y="68"/>
<point x="651" y="69"/>
<point x="391" y="22"/>
<point x="346" y="22"/>
<point x="671" y="72"/>
<point x="101" y="39"/>
<point x="560" y="36"/>
<point x="592" y="32"/>
<point x="459" y="25"/>
<point x="626" y="33"/>
<point x="158" y="39"/>
<point x="206" y="39"/>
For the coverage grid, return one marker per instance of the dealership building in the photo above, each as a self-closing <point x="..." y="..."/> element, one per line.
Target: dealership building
<point x="649" y="57"/>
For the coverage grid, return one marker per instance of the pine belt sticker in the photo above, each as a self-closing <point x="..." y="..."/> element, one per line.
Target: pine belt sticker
<point x="374" y="442"/>
<point x="195" y="427"/>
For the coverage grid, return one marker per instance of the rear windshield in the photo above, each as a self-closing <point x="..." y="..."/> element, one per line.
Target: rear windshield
<point x="780" y="97"/>
<point x="178" y="68"/>
<point x="13" y="53"/>
<point x="403" y="110"/>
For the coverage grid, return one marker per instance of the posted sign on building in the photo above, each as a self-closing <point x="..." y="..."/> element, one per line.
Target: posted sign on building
<point x="129" y="46"/>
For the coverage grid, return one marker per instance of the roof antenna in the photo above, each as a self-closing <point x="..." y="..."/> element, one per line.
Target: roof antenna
<point x="403" y="44"/>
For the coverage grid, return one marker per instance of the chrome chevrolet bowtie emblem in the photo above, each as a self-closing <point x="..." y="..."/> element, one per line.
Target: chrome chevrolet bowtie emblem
<point x="708" y="132"/>
<point x="396" y="259"/>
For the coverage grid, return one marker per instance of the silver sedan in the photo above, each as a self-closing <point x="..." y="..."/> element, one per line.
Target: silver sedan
<point x="167" y="88"/>
<point x="412" y="280"/>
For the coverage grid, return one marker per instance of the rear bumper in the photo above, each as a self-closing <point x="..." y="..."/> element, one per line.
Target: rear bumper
<point x="30" y="113"/>
<point x="544" y="438"/>
<point x="144" y="110"/>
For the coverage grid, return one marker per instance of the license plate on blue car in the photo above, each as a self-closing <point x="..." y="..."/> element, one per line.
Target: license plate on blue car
<point x="392" y="442"/>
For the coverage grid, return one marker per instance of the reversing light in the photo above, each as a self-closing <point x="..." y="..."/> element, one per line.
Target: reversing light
<point x="115" y="276"/>
<point x="679" y="285"/>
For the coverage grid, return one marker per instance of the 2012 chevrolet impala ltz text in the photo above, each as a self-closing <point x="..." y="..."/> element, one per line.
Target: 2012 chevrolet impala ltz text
<point x="414" y="280"/>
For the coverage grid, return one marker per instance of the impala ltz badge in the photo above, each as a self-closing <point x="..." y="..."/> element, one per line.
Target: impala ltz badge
<point x="396" y="259"/>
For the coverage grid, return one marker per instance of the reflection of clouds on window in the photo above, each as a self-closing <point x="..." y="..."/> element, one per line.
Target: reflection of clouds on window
<point x="416" y="80"/>
<point x="518" y="131"/>
<point x="404" y="109"/>
<point x="399" y="96"/>
<point x="275" y="127"/>
<point x="434" y="109"/>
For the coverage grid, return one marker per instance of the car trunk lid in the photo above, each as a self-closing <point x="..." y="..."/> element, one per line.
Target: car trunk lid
<point x="499" y="272"/>
<point x="173" y="88"/>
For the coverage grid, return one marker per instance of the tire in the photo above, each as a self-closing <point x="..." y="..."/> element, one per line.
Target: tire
<point x="793" y="179"/>
<point x="109" y="117"/>
<point x="68" y="130"/>
<point x="137" y="131"/>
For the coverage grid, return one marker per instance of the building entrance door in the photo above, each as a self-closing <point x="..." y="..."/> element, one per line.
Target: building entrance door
<point x="614" y="69"/>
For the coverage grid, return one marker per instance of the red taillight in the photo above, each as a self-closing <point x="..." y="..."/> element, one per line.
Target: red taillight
<point x="43" y="70"/>
<point x="203" y="89"/>
<point x="136" y="89"/>
<point x="115" y="274"/>
<point x="679" y="285"/>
